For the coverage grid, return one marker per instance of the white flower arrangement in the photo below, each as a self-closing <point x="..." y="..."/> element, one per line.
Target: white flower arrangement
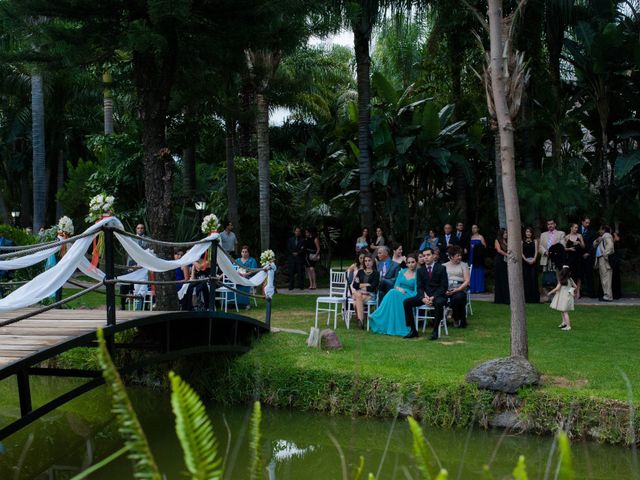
<point x="65" y="225"/>
<point x="210" y="223"/>
<point x="100" y="205"/>
<point x="267" y="257"/>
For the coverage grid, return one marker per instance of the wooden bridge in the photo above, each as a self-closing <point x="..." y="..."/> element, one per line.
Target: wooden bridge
<point x="29" y="337"/>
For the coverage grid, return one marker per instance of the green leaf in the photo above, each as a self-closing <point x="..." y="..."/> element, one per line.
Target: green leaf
<point x="566" y="466"/>
<point x="354" y="149"/>
<point x="384" y="89"/>
<point x="520" y="472"/>
<point x="97" y="466"/>
<point x="445" y="114"/>
<point x="194" y="431"/>
<point x="352" y="112"/>
<point x="441" y="158"/>
<point x="627" y="162"/>
<point x="255" y="449"/>
<point x="453" y="128"/>
<point x="430" y="123"/>
<point x="358" y="470"/>
<point x="420" y="449"/>
<point x="442" y="475"/>
<point x="144" y="465"/>
<point x="403" y="144"/>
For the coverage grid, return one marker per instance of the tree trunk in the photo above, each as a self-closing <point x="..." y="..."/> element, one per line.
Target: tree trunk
<point x="59" y="182"/>
<point x="262" y="132"/>
<point x="108" y="103"/>
<point x="232" y="186"/>
<point x="37" y="142"/>
<point x="189" y="171"/>
<point x="519" y="341"/>
<point x="247" y="119"/>
<point x="502" y="215"/>
<point x="154" y="79"/>
<point x="4" y="212"/>
<point x="363" y="63"/>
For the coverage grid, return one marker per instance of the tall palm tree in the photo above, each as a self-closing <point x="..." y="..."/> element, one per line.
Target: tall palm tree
<point x="262" y="65"/>
<point x="37" y="142"/>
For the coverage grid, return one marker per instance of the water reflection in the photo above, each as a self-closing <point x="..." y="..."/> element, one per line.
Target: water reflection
<point x="295" y="445"/>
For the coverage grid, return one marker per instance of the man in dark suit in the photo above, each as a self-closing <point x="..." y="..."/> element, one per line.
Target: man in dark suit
<point x="445" y="240"/>
<point x="589" y="236"/>
<point x="431" y="287"/>
<point x="388" y="271"/>
<point x="461" y="238"/>
<point x="295" y="258"/>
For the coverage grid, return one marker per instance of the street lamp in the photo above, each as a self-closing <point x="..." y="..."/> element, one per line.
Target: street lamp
<point x="15" y="214"/>
<point x="200" y="206"/>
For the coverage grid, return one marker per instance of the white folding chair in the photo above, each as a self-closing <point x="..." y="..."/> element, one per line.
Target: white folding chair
<point x="370" y="306"/>
<point x="336" y="299"/>
<point x="225" y="295"/>
<point x="423" y="313"/>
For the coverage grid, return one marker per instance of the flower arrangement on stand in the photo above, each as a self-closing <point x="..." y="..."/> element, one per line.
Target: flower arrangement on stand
<point x="100" y="206"/>
<point x="210" y="224"/>
<point x="65" y="230"/>
<point x="267" y="258"/>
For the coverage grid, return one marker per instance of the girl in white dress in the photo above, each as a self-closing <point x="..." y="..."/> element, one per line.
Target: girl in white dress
<point x="564" y="293"/>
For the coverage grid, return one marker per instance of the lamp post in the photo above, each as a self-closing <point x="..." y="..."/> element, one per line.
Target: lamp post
<point x="200" y="206"/>
<point x="15" y="214"/>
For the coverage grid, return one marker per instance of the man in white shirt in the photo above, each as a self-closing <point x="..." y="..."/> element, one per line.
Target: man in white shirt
<point x="228" y="240"/>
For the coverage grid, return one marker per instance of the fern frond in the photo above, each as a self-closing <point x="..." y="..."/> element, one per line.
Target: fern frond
<point x="255" y="463"/>
<point x="420" y="451"/>
<point x="144" y="465"/>
<point x="194" y="431"/>
<point x="520" y="472"/>
<point x="566" y="465"/>
<point x="357" y="471"/>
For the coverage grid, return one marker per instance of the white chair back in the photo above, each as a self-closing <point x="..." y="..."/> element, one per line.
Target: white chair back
<point x="337" y="281"/>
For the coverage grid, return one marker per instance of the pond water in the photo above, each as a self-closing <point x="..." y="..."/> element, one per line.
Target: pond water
<point x="295" y="445"/>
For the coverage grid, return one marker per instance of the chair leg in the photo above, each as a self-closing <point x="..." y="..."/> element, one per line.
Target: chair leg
<point x="316" y="325"/>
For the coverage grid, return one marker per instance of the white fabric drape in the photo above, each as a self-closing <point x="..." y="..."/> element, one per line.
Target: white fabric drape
<point x="51" y="280"/>
<point x="28" y="260"/>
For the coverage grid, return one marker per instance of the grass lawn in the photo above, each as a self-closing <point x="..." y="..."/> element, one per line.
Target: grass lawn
<point x="589" y="360"/>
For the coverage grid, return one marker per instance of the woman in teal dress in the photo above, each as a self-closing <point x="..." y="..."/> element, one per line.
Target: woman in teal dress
<point x="248" y="262"/>
<point x="389" y="316"/>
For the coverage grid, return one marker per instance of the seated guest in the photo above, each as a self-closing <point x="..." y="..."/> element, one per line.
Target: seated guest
<point x="420" y="259"/>
<point x="199" y="269"/>
<point x="246" y="261"/>
<point x="458" y="275"/>
<point x="431" y="240"/>
<point x="431" y="287"/>
<point x="388" y="270"/>
<point x="364" y="286"/>
<point x="363" y="242"/>
<point x="397" y="256"/>
<point x="182" y="273"/>
<point x="389" y="316"/>
<point x="352" y="270"/>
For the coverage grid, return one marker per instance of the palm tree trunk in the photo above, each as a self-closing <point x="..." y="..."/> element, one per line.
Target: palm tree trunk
<point x="363" y="63"/>
<point x="4" y="212"/>
<point x="37" y="142"/>
<point x="519" y="340"/>
<point x="262" y="133"/>
<point x="232" y="185"/>
<point x="107" y="103"/>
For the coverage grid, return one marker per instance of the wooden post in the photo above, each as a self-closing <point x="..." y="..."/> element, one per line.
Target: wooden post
<point x="214" y="271"/>
<point x="109" y="274"/>
<point x="268" y="313"/>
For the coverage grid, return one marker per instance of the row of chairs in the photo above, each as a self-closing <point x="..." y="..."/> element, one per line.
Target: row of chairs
<point x="339" y="302"/>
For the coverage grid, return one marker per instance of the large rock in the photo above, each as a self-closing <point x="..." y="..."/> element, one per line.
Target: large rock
<point x="504" y="374"/>
<point x="329" y="340"/>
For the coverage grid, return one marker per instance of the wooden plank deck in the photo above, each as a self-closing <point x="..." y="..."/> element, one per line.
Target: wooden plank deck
<point x="26" y="337"/>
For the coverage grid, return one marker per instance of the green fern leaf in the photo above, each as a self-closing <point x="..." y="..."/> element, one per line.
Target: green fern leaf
<point x="520" y="472"/>
<point x="195" y="432"/>
<point x="566" y="466"/>
<point x="255" y="464"/>
<point x="420" y="450"/>
<point x="144" y="465"/>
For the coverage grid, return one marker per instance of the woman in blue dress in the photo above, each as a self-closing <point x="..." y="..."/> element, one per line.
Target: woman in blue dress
<point x="476" y="260"/>
<point x="246" y="261"/>
<point x="389" y="317"/>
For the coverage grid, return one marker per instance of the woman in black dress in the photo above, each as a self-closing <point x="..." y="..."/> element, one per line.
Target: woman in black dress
<point x="574" y="248"/>
<point x="500" y="274"/>
<point x="530" y="266"/>
<point x="312" y="255"/>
